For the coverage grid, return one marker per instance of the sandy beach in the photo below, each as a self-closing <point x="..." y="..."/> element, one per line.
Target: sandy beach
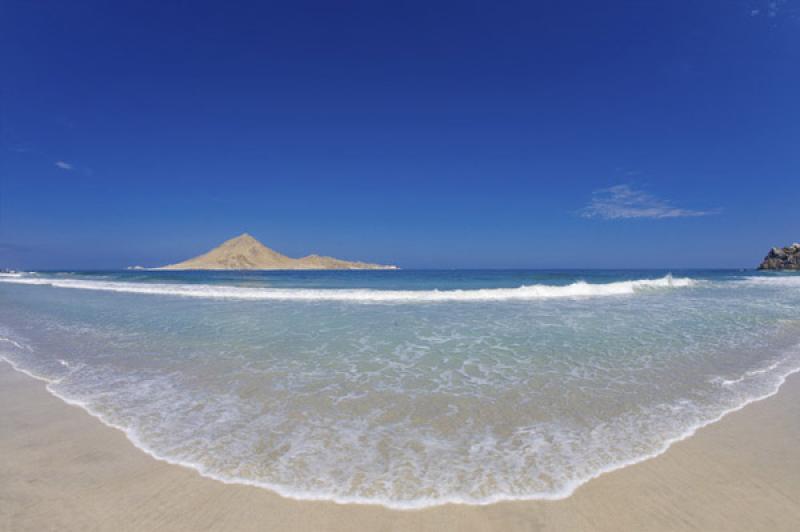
<point x="61" y="469"/>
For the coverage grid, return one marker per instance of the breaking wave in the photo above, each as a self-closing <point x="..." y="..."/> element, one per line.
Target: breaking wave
<point x="580" y="289"/>
<point x="405" y="407"/>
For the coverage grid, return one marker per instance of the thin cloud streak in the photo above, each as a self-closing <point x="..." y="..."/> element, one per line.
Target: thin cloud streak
<point x="15" y="248"/>
<point x="63" y="165"/>
<point x="623" y="202"/>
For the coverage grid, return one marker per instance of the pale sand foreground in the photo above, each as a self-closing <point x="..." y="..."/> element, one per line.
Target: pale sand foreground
<point x="61" y="469"/>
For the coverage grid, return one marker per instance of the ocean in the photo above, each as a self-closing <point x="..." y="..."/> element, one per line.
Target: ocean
<point x="405" y="388"/>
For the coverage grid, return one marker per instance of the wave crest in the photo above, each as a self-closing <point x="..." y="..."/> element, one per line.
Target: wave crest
<point x="579" y="289"/>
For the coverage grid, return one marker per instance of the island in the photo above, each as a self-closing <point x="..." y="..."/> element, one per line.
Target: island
<point x="246" y="253"/>
<point x="787" y="258"/>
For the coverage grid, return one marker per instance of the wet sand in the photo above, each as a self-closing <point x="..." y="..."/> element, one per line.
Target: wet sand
<point x="61" y="469"/>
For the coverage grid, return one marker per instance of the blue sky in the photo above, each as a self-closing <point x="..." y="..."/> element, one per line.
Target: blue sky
<point x="431" y="134"/>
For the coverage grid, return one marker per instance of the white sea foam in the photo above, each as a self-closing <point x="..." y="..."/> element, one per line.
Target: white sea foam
<point x="747" y="375"/>
<point x="564" y="492"/>
<point x="408" y="407"/>
<point x="785" y="279"/>
<point x="14" y="343"/>
<point x="580" y="289"/>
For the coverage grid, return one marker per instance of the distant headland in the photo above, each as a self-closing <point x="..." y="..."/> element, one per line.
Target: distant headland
<point x="246" y="253"/>
<point x="787" y="258"/>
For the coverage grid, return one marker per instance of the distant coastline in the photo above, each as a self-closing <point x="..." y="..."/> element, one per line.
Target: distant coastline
<point x="246" y="253"/>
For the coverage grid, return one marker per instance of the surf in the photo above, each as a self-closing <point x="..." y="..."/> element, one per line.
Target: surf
<point x="578" y="289"/>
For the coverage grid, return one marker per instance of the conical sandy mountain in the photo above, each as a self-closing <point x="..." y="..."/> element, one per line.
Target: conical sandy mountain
<point x="246" y="253"/>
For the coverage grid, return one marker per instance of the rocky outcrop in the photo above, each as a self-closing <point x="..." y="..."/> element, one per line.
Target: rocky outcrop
<point x="787" y="258"/>
<point x="246" y="253"/>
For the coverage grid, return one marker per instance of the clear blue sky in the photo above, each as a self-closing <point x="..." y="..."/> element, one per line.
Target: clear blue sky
<point x="431" y="134"/>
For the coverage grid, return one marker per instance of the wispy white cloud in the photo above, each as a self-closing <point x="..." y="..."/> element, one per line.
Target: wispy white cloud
<point x="63" y="165"/>
<point x="622" y="202"/>
<point x="19" y="148"/>
<point x="12" y="248"/>
<point x="774" y="9"/>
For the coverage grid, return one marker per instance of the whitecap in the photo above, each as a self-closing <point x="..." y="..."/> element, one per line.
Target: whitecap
<point x="579" y="289"/>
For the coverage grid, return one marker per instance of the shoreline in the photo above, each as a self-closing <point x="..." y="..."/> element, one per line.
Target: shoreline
<point x="566" y="493"/>
<point x="615" y="497"/>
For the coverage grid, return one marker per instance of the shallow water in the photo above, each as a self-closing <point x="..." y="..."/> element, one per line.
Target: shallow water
<point x="405" y="388"/>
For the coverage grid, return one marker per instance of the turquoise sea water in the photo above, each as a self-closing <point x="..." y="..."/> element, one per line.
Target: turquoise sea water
<point x="405" y="388"/>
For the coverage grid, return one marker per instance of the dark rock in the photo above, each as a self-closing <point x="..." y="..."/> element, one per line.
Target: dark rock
<point x="787" y="258"/>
